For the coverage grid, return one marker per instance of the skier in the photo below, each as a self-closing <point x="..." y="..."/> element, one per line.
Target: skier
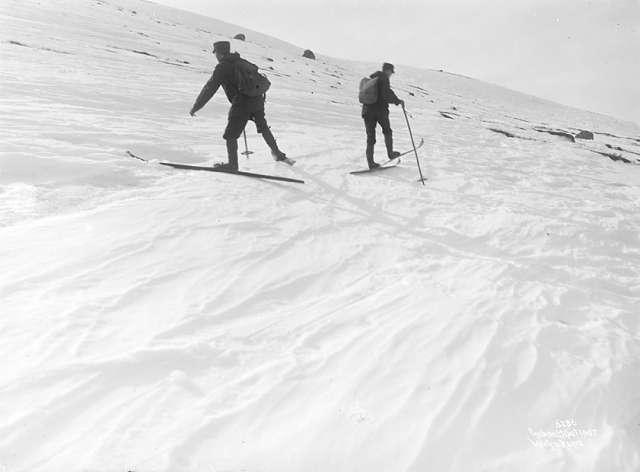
<point x="244" y="107"/>
<point x="378" y="113"/>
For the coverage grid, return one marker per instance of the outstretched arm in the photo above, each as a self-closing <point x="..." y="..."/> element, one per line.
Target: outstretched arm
<point x="388" y="94"/>
<point x="208" y="91"/>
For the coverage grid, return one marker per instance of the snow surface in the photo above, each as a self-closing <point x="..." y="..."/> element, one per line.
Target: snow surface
<point x="161" y="320"/>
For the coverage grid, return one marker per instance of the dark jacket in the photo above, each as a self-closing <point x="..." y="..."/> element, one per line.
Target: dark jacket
<point x="223" y="74"/>
<point x="385" y="94"/>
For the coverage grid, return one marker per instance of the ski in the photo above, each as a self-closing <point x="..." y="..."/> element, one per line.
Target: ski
<point x="176" y="165"/>
<point x="420" y="144"/>
<point x="385" y="165"/>
<point x="390" y="164"/>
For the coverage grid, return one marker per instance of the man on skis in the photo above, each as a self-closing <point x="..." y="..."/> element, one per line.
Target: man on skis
<point x="377" y="113"/>
<point x="246" y="104"/>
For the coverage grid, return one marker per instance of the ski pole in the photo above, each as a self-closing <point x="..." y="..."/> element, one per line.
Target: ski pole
<point x="246" y="148"/>
<point x="413" y="143"/>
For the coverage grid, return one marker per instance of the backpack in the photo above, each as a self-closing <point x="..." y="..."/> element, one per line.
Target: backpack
<point x="249" y="81"/>
<point x="368" y="94"/>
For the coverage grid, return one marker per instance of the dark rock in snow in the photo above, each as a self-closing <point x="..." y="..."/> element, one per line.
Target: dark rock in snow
<point x="509" y="134"/>
<point x="18" y="43"/>
<point x="308" y="53"/>
<point x="240" y="37"/>
<point x="584" y="135"/>
<point x="618" y="148"/>
<point x="143" y="53"/>
<point x="501" y="131"/>
<point x="557" y="132"/>
<point x="613" y="157"/>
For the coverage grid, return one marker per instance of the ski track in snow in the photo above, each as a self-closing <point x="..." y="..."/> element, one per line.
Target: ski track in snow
<point x="159" y="320"/>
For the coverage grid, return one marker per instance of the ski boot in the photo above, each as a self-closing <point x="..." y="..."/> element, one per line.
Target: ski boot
<point x="369" y="153"/>
<point x="278" y="155"/>
<point x="225" y="167"/>
<point x="232" y="153"/>
<point x="373" y="165"/>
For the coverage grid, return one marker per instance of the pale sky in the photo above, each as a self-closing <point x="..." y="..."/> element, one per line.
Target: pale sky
<point x="583" y="53"/>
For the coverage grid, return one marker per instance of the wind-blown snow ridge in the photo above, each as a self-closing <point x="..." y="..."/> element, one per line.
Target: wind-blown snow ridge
<point x="155" y="320"/>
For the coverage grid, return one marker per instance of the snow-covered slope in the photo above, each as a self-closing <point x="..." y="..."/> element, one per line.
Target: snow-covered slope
<point x="159" y="320"/>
